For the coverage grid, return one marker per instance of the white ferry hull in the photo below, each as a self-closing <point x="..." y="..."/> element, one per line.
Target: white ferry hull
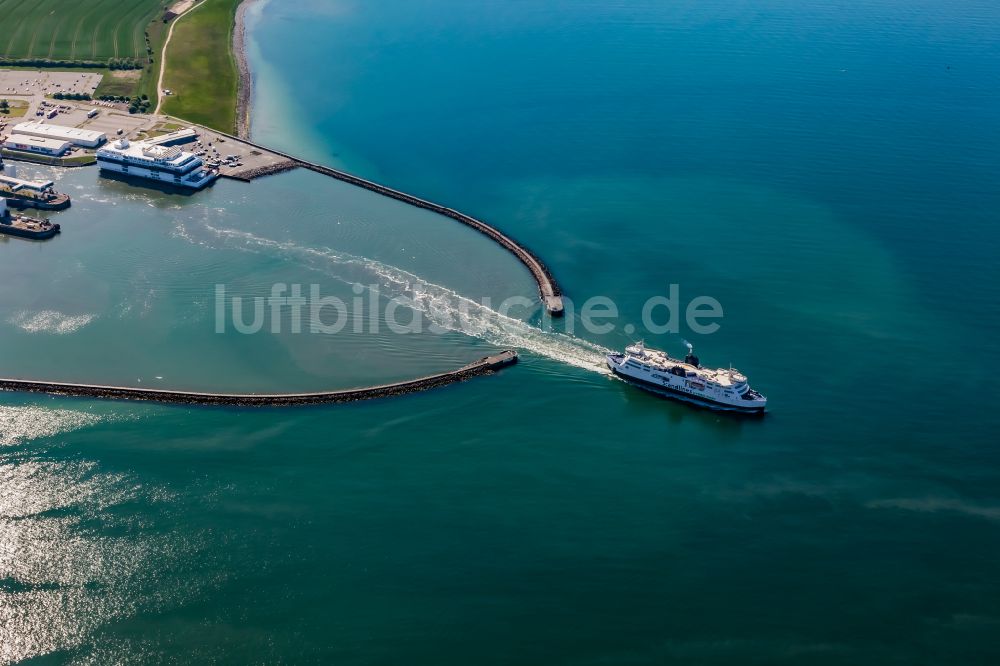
<point x="677" y="388"/>
<point x="158" y="176"/>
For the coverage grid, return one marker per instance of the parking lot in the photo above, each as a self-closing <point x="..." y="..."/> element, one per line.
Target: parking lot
<point x="35" y="85"/>
<point x="232" y="157"/>
<point x="107" y="120"/>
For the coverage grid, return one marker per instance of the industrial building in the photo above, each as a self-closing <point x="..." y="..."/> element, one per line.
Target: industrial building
<point x="74" y="135"/>
<point x="36" y="144"/>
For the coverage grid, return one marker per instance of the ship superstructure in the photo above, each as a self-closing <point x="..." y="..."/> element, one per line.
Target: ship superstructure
<point x="165" y="164"/>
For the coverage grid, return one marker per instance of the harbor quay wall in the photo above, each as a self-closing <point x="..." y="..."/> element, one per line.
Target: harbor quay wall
<point x="247" y="175"/>
<point x="548" y="288"/>
<point x="485" y="366"/>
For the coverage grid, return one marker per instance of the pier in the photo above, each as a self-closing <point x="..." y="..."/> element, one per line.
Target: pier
<point x="484" y="366"/>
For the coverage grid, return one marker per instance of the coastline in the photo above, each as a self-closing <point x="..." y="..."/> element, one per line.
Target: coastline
<point x="244" y="90"/>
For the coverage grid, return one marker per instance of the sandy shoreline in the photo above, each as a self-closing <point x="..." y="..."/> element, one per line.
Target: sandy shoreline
<point x="244" y="92"/>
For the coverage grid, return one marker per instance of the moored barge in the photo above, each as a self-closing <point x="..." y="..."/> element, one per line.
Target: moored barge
<point x="25" y="227"/>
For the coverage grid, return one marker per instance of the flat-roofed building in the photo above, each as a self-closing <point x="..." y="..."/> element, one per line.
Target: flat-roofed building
<point x="180" y="136"/>
<point x="74" y="135"/>
<point x="36" y="144"/>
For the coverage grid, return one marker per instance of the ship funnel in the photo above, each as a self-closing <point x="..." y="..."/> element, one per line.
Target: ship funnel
<point x="691" y="359"/>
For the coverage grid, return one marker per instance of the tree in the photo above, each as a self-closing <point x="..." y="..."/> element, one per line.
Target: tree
<point x="4" y="106"/>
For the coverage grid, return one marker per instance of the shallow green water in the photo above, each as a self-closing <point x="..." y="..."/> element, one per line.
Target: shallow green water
<point x="824" y="173"/>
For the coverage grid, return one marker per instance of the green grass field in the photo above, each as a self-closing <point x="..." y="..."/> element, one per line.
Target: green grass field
<point x="77" y="29"/>
<point x="201" y="68"/>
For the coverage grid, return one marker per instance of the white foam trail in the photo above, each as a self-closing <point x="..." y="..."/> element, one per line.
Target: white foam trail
<point x="50" y="321"/>
<point x="442" y="306"/>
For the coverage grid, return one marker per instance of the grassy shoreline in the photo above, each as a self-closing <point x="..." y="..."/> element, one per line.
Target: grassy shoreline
<point x="201" y="66"/>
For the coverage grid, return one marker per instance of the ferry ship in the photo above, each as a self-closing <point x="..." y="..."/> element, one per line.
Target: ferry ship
<point x="657" y="372"/>
<point x="164" y="164"/>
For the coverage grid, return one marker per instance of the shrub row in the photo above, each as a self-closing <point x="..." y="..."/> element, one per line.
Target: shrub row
<point x="112" y="63"/>
<point x="76" y="96"/>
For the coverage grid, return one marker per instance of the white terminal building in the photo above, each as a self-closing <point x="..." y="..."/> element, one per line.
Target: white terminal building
<point x="74" y="135"/>
<point x="36" y="144"/>
<point x="160" y="163"/>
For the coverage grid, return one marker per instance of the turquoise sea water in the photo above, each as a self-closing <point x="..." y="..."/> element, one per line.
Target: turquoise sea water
<point x="828" y="174"/>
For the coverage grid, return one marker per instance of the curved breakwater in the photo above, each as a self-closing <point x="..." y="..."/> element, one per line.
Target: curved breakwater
<point x="485" y="366"/>
<point x="548" y="288"/>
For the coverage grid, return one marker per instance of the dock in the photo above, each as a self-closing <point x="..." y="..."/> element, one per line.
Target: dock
<point x="484" y="366"/>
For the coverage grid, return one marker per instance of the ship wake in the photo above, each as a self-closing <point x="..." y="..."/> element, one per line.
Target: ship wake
<point x="445" y="308"/>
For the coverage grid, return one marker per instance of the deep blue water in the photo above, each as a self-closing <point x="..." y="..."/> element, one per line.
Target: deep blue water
<point x="827" y="173"/>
